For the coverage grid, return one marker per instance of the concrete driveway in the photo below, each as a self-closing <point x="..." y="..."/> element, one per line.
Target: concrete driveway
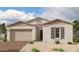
<point x="12" y="46"/>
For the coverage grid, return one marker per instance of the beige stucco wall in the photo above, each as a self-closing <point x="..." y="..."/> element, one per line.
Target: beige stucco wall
<point x="21" y="26"/>
<point x="68" y="32"/>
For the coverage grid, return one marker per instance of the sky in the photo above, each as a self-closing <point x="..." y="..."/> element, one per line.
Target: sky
<point x="10" y="15"/>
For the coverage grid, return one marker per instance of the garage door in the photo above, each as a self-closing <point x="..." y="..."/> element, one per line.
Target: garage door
<point x="21" y="35"/>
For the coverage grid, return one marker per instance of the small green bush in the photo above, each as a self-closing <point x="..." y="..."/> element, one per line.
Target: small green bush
<point x="75" y="43"/>
<point x="57" y="42"/>
<point x="70" y="43"/>
<point x="2" y="39"/>
<point x="76" y="39"/>
<point x="35" y="50"/>
<point x="55" y="49"/>
<point x="58" y="49"/>
<point x="61" y="50"/>
<point x="31" y="42"/>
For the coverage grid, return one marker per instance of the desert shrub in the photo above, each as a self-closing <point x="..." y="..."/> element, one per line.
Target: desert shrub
<point x="70" y="43"/>
<point x="75" y="43"/>
<point x="57" y="42"/>
<point x="1" y="39"/>
<point x="5" y="39"/>
<point x="76" y="39"/>
<point x="61" y="50"/>
<point x="35" y="40"/>
<point x="31" y="42"/>
<point x="55" y="49"/>
<point x="58" y="49"/>
<point x="35" y="50"/>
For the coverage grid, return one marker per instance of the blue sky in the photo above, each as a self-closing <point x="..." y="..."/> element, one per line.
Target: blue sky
<point x="36" y="10"/>
<point x="28" y="12"/>
<point x="13" y="14"/>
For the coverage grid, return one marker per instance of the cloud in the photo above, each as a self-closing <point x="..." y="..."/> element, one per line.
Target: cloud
<point x="14" y="15"/>
<point x="67" y="13"/>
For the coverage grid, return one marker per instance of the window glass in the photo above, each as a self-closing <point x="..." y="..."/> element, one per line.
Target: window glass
<point x="57" y="32"/>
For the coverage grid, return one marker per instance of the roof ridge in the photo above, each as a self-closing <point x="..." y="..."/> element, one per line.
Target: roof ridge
<point x="37" y="19"/>
<point x="59" y="20"/>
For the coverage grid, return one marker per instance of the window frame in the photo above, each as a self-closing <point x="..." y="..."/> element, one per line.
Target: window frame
<point x="60" y="30"/>
<point x="59" y="33"/>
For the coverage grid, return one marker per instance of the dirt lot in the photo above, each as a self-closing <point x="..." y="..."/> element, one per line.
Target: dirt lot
<point x="12" y="46"/>
<point x="44" y="47"/>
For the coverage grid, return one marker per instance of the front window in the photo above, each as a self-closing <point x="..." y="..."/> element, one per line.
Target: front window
<point x="57" y="33"/>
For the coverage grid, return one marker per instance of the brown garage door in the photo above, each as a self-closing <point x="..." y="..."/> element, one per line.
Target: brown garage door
<point x="21" y="35"/>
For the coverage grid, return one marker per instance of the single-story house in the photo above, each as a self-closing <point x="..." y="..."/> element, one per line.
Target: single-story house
<point x="40" y="29"/>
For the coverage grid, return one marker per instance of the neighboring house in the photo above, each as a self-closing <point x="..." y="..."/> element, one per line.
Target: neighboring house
<point x="40" y="29"/>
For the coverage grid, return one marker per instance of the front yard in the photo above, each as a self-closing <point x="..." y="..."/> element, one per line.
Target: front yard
<point x="44" y="47"/>
<point x="16" y="46"/>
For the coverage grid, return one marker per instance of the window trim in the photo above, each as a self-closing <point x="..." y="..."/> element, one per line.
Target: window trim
<point x="59" y="33"/>
<point x="54" y="28"/>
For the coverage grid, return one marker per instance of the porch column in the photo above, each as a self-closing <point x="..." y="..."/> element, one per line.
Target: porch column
<point x="8" y="34"/>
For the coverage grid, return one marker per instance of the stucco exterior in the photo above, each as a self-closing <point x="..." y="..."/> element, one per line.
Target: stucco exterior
<point x="68" y="32"/>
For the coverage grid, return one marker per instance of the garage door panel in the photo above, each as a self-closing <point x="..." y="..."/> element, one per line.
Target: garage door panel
<point x="22" y="35"/>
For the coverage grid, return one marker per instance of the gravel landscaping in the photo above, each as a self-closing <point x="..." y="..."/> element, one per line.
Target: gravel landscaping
<point x="16" y="46"/>
<point x="45" y="47"/>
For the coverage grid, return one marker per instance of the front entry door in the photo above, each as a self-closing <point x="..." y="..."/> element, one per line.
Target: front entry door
<point x="41" y="35"/>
